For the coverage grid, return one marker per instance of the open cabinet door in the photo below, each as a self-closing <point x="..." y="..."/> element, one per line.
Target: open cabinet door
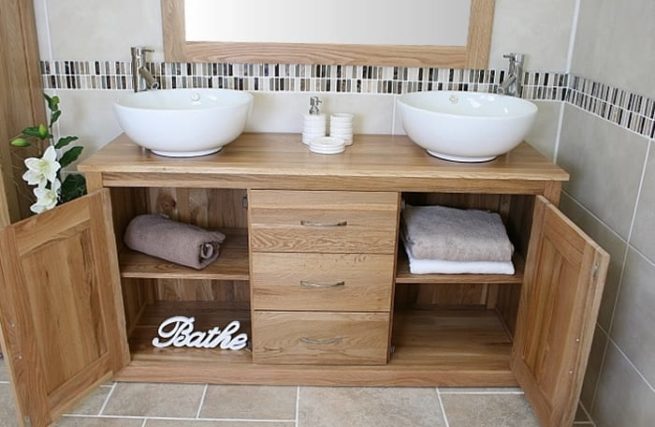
<point x="61" y="311"/>
<point x="564" y="279"/>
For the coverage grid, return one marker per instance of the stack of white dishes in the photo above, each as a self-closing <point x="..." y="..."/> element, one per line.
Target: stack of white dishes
<point x="314" y="126"/>
<point x="341" y="126"/>
<point x="327" y="145"/>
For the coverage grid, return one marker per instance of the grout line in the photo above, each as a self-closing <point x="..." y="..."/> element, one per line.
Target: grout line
<point x="584" y="409"/>
<point x="145" y="420"/>
<point x="574" y="32"/>
<point x="393" y="115"/>
<point x="202" y="400"/>
<point x="5" y="382"/>
<point x="47" y="30"/>
<point x="481" y="392"/>
<point x="595" y="217"/>
<point x="297" y="405"/>
<point x="155" y="418"/>
<point x="443" y="409"/>
<point x="104" y="404"/>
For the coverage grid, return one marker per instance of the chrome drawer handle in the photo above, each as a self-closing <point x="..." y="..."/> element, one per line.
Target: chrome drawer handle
<point x="315" y="285"/>
<point x="319" y="341"/>
<point x="306" y="223"/>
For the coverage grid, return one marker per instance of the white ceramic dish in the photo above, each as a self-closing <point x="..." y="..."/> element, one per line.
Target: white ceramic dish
<point x="466" y="126"/>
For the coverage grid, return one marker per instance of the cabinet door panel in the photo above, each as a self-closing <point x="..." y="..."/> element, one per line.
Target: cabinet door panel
<point x="60" y="307"/>
<point x="564" y="279"/>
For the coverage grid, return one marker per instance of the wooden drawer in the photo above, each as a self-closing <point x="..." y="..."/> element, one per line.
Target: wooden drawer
<point x="323" y="221"/>
<point x="320" y="338"/>
<point x="328" y="282"/>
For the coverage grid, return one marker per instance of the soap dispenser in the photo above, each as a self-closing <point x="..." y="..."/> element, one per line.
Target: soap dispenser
<point x="315" y="123"/>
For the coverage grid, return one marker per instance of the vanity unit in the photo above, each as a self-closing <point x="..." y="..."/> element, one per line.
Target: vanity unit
<point x="312" y="267"/>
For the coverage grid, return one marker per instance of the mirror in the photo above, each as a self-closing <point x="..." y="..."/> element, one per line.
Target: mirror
<point x="452" y="33"/>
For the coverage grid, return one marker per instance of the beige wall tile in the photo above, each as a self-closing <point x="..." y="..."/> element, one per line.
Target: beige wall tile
<point x="624" y="399"/>
<point x="488" y="410"/>
<point x="605" y="163"/>
<point x="643" y="234"/>
<point x="543" y="135"/>
<point x="614" y="43"/>
<point x="540" y="29"/>
<point x="283" y="112"/>
<point x="98" y="422"/>
<point x="594" y="365"/>
<point x="634" y="317"/>
<point x="155" y="400"/>
<point x="609" y="241"/>
<point x="103" y="30"/>
<point x="369" y="407"/>
<point x="7" y="406"/>
<point x="250" y="402"/>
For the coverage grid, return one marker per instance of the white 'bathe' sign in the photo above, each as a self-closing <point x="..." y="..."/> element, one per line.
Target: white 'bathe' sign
<point x="178" y="331"/>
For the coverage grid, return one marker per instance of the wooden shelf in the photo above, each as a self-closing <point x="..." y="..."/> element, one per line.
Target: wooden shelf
<point x="232" y="264"/>
<point x="403" y="276"/>
<point x="207" y="315"/>
<point x="432" y="348"/>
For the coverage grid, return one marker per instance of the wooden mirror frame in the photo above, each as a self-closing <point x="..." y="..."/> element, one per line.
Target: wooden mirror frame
<point x="474" y="55"/>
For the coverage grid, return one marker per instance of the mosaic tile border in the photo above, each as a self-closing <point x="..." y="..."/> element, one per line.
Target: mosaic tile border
<point x="623" y="108"/>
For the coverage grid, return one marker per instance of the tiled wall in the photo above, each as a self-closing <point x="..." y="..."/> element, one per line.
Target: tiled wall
<point x="612" y="196"/>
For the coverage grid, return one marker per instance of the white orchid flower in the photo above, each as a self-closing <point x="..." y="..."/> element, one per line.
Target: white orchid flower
<point x="43" y="170"/>
<point x="46" y="198"/>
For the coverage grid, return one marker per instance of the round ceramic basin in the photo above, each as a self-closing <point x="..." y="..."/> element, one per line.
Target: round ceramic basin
<point x="466" y="126"/>
<point x="184" y="122"/>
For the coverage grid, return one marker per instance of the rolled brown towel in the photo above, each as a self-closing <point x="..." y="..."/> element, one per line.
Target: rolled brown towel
<point x="173" y="241"/>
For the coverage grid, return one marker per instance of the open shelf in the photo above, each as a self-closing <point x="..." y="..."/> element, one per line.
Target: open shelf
<point x="232" y="264"/>
<point x="207" y="315"/>
<point x="451" y="340"/>
<point x="403" y="276"/>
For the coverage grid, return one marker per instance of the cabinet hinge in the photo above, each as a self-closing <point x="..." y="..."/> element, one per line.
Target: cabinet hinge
<point x="244" y="202"/>
<point x="27" y="421"/>
<point x="594" y="270"/>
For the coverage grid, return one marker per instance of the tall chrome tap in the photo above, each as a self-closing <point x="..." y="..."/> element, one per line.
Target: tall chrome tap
<point x="142" y="79"/>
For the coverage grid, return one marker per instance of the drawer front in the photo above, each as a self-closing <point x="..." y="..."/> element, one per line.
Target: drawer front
<point x="323" y="221"/>
<point x="328" y="282"/>
<point x="320" y="338"/>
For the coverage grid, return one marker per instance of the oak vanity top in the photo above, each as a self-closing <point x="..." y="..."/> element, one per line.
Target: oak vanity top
<point x="279" y="160"/>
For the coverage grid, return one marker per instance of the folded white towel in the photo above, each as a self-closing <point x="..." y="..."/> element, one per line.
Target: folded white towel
<point x="426" y="266"/>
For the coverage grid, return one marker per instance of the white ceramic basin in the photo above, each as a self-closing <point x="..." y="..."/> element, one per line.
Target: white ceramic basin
<point x="184" y="122"/>
<point x="466" y="126"/>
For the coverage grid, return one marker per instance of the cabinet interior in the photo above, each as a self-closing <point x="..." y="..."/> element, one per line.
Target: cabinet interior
<point x="462" y="322"/>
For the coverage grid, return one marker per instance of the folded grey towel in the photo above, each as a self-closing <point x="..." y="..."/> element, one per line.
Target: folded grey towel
<point x="173" y="241"/>
<point x="441" y="233"/>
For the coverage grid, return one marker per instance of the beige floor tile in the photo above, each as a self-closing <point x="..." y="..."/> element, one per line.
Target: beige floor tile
<point x="178" y="423"/>
<point x="369" y="407"/>
<point x="4" y="374"/>
<point x="155" y="400"/>
<point x="93" y="403"/>
<point x="250" y="403"/>
<point x="7" y="411"/>
<point x="98" y="422"/>
<point x="488" y="410"/>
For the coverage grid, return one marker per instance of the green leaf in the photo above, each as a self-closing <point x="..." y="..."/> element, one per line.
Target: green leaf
<point x="70" y="156"/>
<point x="74" y="186"/>
<point x="65" y="141"/>
<point x="32" y="131"/>
<point x="53" y="102"/>
<point x="55" y="116"/>
<point x="20" y="142"/>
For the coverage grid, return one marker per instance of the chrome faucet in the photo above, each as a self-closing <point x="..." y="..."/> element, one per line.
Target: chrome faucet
<point x="142" y="79"/>
<point x="513" y="83"/>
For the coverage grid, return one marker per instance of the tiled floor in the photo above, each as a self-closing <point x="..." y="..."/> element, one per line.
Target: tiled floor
<point x="169" y="405"/>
